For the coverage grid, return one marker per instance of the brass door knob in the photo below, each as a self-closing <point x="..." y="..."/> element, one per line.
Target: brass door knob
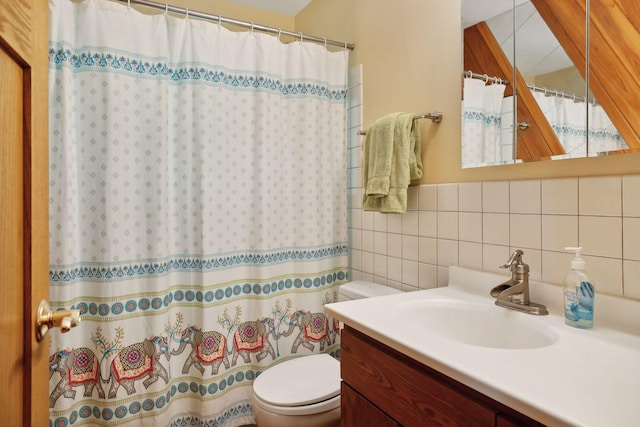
<point x="47" y="319"/>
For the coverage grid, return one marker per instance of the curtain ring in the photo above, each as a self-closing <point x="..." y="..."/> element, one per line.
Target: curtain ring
<point x="279" y="33"/>
<point x="166" y="9"/>
<point x="252" y="28"/>
<point x="129" y="3"/>
<point x="345" y="46"/>
<point x="485" y="78"/>
<point x="300" y="37"/>
<point x="219" y="21"/>
<point x="325" y="42"/>
<point x="186" y="9"/>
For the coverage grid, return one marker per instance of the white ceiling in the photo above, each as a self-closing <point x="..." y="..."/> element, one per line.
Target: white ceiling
<point x="286" y="7"/>
<point x="537" y="49"/>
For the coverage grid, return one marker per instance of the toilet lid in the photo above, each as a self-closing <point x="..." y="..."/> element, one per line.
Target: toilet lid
<point x="301" y="381"/>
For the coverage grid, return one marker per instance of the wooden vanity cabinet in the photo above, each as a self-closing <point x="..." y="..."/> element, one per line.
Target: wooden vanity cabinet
<point x="382" y="387"/>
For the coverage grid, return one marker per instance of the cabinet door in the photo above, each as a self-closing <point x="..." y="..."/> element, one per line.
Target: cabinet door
<point x="356" y="411"/>
<point x="411" y="393"/>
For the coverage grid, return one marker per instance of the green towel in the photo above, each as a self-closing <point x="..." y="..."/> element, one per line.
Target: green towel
<point x="391" y="160"/>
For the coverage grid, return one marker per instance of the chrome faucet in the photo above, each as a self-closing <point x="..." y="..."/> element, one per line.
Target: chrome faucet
<point x="514" y="293"/>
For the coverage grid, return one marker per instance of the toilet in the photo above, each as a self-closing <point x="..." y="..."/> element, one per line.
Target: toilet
<point x="305" y="391"/>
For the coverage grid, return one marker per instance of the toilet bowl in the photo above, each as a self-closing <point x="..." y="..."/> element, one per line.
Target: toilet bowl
<point x="305" y="391"/>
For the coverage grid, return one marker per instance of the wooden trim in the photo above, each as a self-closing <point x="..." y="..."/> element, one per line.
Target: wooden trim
<point x="614" y="58"/>
<point x="414" y="394"/>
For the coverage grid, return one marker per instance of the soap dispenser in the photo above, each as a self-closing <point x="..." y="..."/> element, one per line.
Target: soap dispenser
<point x="579" y="294"/>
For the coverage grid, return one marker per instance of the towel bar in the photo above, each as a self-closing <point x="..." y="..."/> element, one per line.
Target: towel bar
<point x="436" y="117"/>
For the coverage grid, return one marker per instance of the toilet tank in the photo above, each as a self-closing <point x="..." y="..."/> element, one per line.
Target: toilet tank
<point x="362" y="289"/>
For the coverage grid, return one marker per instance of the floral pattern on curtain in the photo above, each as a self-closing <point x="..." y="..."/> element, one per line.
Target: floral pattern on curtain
<point x="197" y="211"/>
<point x="568" y="119"/>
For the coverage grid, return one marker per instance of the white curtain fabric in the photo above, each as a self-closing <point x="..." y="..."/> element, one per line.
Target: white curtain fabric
<point x="569" y="120"/>
<point x="603" y="134"/>
<point x="197" y="212"/>
<point x="481" y="122"/>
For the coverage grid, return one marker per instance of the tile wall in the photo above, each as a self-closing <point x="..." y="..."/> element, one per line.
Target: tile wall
<point x="479" y="224"/>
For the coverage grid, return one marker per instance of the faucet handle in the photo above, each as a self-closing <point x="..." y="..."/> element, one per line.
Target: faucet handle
<point x="514" y="260"/>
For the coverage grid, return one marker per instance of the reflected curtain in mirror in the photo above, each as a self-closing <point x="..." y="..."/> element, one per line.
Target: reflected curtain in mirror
<point x="482" y="133"/>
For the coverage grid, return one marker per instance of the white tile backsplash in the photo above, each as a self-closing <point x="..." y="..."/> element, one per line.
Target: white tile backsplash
<point x="485" y="225"/>
<point x="631" y="195"/>
<point x="560" y="196"/>
<point x="525" y="231"/>
<point x="410" y="223"/>
<point x="524" y="197"/>
<point x="448" y="225"/>
<point x="495" y="228"/>
<point x="600" y="236"/>
<point x="410" y="273"/>
<point x="427" y="198"/>
<point x="410" y="247"/>
<point x="447" y="197"/>
<point x="495" y="197"/>
<point x="380" y="265"/>
<point x="428" y="224"/>
<point x="394" y="248"/>
<point x="380" y="242"/>
<point x="559" y="232"/>
<point x="600" y="196"/>
<point x="631" y="241"/>
<point x="367" y="220"/>
<point x="470" y="197"/>
<point x="631" y="273"/>
<point x="428" y="250"/>
<point x="470" y="227"/>
<point x="470" y="255"/>
<point x="605" y="274"/>
<point x="379" y="221"/>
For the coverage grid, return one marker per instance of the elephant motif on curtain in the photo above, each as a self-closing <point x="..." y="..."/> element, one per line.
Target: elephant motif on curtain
<point x="253" y="337"/>
<point x="207" y="348"/>
<point x="137" y="361"/>
<point x="78" y="367"/>
<point x="312" y="328"/>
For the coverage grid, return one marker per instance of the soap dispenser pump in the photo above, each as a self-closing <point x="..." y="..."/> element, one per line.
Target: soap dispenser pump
<point x="579" y="294"/>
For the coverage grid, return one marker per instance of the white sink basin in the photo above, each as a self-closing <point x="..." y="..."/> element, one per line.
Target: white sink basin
<point x="482" y="325"/>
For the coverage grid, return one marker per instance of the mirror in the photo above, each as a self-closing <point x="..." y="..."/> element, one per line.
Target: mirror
<point x="551" y="110"/>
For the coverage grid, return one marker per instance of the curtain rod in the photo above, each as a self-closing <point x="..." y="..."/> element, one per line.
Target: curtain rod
<point x="496" y="80"/>
<point x="245" y="24"/>
<point x="558" y="93"/>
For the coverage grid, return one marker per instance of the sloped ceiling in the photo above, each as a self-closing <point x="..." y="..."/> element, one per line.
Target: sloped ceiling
<point x="537" y="49"/>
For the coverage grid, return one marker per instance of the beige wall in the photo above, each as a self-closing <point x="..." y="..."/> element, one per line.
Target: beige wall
<point x="411" y="57"/>
<point x="235" y="11"/>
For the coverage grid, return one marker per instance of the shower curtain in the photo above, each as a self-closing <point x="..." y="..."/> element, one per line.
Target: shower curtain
<point x="568" y="119"/>
<point x="197" y="212"/>
<point x="481" y="122"/>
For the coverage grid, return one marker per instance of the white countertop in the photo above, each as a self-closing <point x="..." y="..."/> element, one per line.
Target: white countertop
<point x="585" y="378"/>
